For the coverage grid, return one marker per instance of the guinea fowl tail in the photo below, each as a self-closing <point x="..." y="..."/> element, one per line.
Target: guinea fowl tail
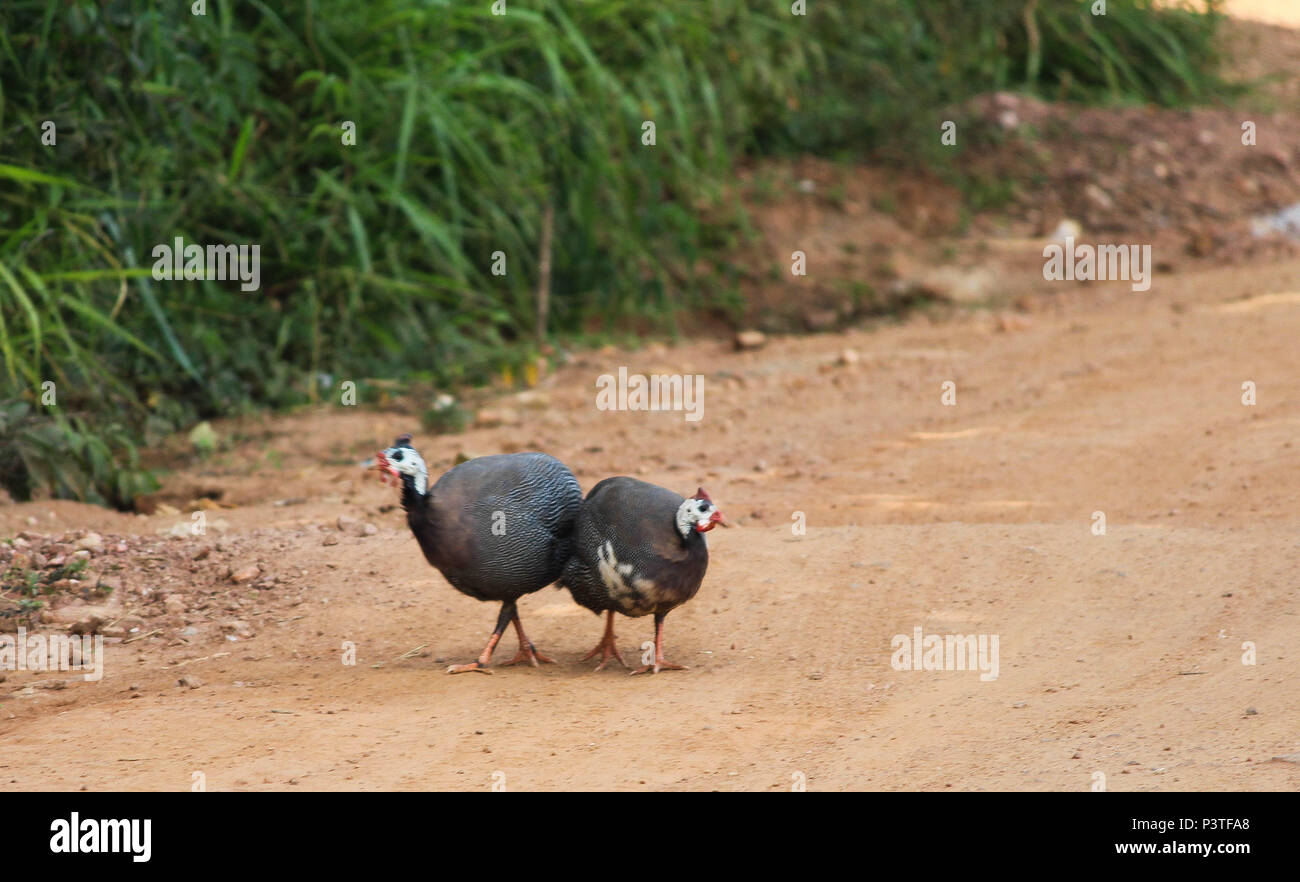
<point x="562" y="558"/>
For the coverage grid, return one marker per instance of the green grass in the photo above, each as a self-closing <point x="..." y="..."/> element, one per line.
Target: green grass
<point x="376" y="258"/>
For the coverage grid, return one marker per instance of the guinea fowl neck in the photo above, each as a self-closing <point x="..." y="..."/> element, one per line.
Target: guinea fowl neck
<point x="693" y="539"/>
<point x="413" y="501"/>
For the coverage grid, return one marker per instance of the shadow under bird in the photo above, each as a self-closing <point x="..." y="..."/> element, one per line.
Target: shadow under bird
<point x="496" y="527"/>
<point x="638" y="550"/>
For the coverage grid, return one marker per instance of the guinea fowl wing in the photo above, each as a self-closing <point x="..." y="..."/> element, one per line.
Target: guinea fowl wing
<point x="641" y="520"/>
<point x="506" y="521"/>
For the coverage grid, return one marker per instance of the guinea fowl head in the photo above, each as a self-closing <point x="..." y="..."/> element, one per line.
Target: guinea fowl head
<point x="699" y="514"/>
<point x="404" y="465"/>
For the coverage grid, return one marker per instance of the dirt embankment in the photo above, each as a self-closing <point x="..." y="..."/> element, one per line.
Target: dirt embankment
<point x="1197" y="185"/>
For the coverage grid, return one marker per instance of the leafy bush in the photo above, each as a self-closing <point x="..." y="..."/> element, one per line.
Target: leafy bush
<point x="69" y="457"/>
<point x="892" y="62"/>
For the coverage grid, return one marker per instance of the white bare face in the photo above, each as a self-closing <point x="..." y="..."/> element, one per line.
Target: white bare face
<point x="697" y="514"/>
<point x="399" y="461"/>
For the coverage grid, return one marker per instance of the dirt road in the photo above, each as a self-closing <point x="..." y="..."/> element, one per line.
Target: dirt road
<point x="1119" y="654"/>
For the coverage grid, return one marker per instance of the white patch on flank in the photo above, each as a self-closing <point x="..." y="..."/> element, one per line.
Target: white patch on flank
<point x="636" y="599"/>
<point x="610" y="568"/>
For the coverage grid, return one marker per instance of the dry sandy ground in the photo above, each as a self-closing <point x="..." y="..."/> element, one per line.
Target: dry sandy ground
<point x="1119" y="653"/>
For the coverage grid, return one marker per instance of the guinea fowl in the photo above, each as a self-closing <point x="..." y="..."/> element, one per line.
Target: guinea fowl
<point x="497" y="527"/>
<point x="638" y="549"/>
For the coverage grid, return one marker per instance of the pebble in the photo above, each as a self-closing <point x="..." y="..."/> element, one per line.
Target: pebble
<point x="88" y="625"/>
<point x="354" y="527"/>
<point x="246" y="573"/>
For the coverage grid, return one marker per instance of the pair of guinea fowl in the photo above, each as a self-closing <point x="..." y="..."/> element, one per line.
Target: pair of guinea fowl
<point x="500" y="527"/>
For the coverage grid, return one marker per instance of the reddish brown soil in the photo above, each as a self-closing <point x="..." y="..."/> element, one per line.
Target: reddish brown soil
<point x="1119" y="653"/>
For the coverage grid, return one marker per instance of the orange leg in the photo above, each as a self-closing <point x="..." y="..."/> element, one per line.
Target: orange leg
<point x="507" y="613"/>
<point x="607" y="648"/>
<point x="660" y="663"/>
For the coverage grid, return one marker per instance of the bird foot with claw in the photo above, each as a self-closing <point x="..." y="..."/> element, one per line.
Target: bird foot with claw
<point x="530" y="655"/>
<point x="606" y="649"/>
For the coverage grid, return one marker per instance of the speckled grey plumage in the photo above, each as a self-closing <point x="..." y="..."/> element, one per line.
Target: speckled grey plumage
<point x="538" y="499"/>
<point x="628" y="554"/>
